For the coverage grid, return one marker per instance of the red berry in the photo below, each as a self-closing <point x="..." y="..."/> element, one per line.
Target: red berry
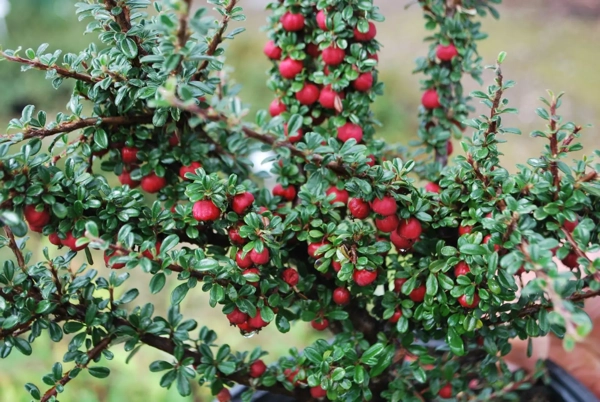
<point x="245" y="327"/>
<point x="174" y="140"/>
<point x="260" y="258"/>
<point x="373" y="56"/>
<point x="290" y="375"/>
<point x="189" y="169"/>
<point x="313" y="50"/>
<point x="364" y="277"/>
<point x="290" y="276"/>
<point x="292" y="22"/>
<point x="449" y="148"/>
<point x="367" y="36"/>
<point x="463" y="301"/>
<point x="430" y="99"/>
<point x="433" y="188"/>
<point x="152" y="183"/>
<point x="148" y="253"/>
<point x="234" y="236"/>
<point x="288" y="193"/>
<point x="446" y="53"/>
<point x="570" y="225"/>
<point x="336" y="265"/>
<point x="205" y="210"/>
<point x="340" y="195"/>
<point x="308" y="95"/>
<point x="292" y="138"/>
<point x="418" y="294"/>
<point x="384" y="206"/>
<point x="54" y="239"/>
<point x="445" y="392"/>
<point x="487" y="238"/>
<point x="461" y="269"/>
<point x="364" y="82"/>
<point x="129" y="154"/>
<point x="387" y="224"/>
<point x="400" y="242"/>
<point x="290" y="68"/>
<point x="333" y="55"/>
<point x="257" y="369"/>
<point x="394" y="318"/>
<point x="463" y="230"/>
<point x="410" y="228"/>
<point x="236" y="317"/>
<point x="107" y="258"/>
<point x="241" y="202"/>
<point x="320" y="324"/>
<point x="328" y="97"/>
<point x="125" y="179"/>
<point x="251" y="271"/>
<point x="341" y="296"/>
<point x="571" y="260"/>
<point x="272" y="51"/>
<point x="318" y="392"/>
<point x="70" y="241"/>
<point x="38" y="229"/>
<point x="224" y="395"/>
<point x="321" y="20"/>
<point x="276" y="107"/>
<point x="348" y="131"/>
<point x="371" y="160"/>
<point x="398" y="282"/>
<point x="257" y="322"/>
<point x="359" y="208"/>
<point x="243" y="262"/>
<point x="521" y="270"/>
<point x="313" y="247"/>
<point x="36" y="218"/>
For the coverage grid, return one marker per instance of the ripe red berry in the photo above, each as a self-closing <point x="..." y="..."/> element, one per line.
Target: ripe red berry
<point x="308" y="95"/>
<point x="348" y="131"/>
<point x="449" y="148"/>
<point x="189" y="169"/>
<point x="70" y="241"/>
<point x="36" y="218"/>
<point x="430" y="99"/>
<point x="445" y="392"/>
<point x="272" y="51"/>
<point x="54" y="239"/>
<point x="320" y="324"/>
<point x="333" y="55"/>
<point x="257" y="322"/>
<point x="318" y="392"/>
<point x="241" y="202"/>
<point x="276" y="107"/>
<point x="373" y="56"/>
<point x="148" y="253"/>
<point x="367" y="36"/>
<point x="410" y="228"/>
<point x="129" y="154"/>
<point x="398" y="282"/>
<point x="321" y="20"/>
<point x="418" y="294"/>
<point x="363" y="83"/>
<point x="394" y="318"/>
<point x="328" y="97"/>
<point x="152" y="183"/>
<point x="336" y="266"/>
<point x="244" y="327"/>
<point x="371" y="160"/>
<point x="570" y="225"/>
<point x="125" y="179"/>
<point x="257" y="369"/>
<point x="205" y="211"/>
<point x="433" y="188"/>
<point x="359" y="208"/>
<point x="487" y="238"/>
<point x="290" y="375"/>
<point x="174" y="140"/>
<point x="571" y="260"/>
<point x="387" y="224"/>
<point x="463" y="230"/>
<point x="290" y="276"/>
<point x="461" y="269"/>
<point x="313" y="247"/>
<point x="292" y="138"/>
<point x="364" y="277"/>
<point x="290" y="68"/>
<point x="400" y="242"/>
<point x="243" y="262"/>
<point x="107" y="258"/>
<point x="384" y="206"/>
<point x="292" y="22"/>
<point x="340" y="195"/>
<point x="313" y="50"/>
<point x="446" y="53"/>
<point x="341" y="296"/>
<point x="234" y="236"/>
<point x="236" y="317"/>
<point x="288" y="193"/>
<point x="260" y="258"/>
<point x="224" y="395"/>
<point x="463" y="301"/>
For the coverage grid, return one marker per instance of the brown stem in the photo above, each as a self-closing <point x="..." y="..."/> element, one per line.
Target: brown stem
<point x="12" y="244"/>
<point x="554" y="149"/>
<point x="182" y="34"/>
<point x="496" y="104"/>
<point x="570" y="139"/>
<point x="63" y="72"/>
<point x="124" y="22"/>
<point x="573" y="244"/>
<point x="589" y="176"/>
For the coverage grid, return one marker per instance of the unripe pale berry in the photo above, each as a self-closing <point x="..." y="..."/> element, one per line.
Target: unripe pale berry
<point x="418" y="294"/>
<point x="243" y="262"/>
<point x="129" y="154"/>
<point x="241" y="202"/>
<point x="462" y="300"/>
<point x="366" y="36"/>
<point x="292" y="22"/>
<point x="189" y="169"/>
<point x="320" y="324"/>
<point x="290" y="276"/>
<point x="461" y="269"/>
<point x="384" y="206"/>
<point x="152" y="183"/>
<point x="446" y="53"/>
<point x="430" y="99"/>
<point x="348" y="131"/>
<point x="364" y="277"/>
<point x="205" y="211"/>
<point x="276" y="107"/>
<point x="288" y="193"/>
<point x="290" y="68"/>
<point x="340" y="195"/>
<point x="272" y="51"/>
<point x="260" y="258"/>
<point x="387" y="224"/>
<point x="321" y="20"/>
<point x="126" y="180"/>
<point x="333" y="55"/>
<point x="363" y="83"/>
<point x="257" y="369"/>
<point x="308" y="95"/>
<point x="410" y="228"/>
<point x="359" y="209"/>
<point x="433" y="188"/>
<point x="341" y="296"/>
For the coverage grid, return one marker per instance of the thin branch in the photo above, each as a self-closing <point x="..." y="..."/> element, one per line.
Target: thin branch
<point x="554" y="149"/>
<point x="63" y="72"/>
<point x="573" y="244"/>
<point x="182" y="34"/>
<point x="570" y="139"/>
<point x="12" y="244"/>
<point x="123" y="20"/>
<point x="496" y="104"/>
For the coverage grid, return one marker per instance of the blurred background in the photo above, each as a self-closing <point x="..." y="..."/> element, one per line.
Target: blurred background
<point x="551" y="44"/>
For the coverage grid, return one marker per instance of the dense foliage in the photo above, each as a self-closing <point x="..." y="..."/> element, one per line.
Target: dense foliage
<point x="349" y="239"/>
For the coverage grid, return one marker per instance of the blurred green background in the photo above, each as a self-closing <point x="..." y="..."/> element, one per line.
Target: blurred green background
<point x="551" y="44"/>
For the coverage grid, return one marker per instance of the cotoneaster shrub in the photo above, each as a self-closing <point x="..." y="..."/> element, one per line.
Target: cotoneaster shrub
<point x="383" y="247"/>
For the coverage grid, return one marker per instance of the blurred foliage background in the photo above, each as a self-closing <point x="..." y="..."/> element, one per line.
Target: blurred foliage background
<point x="551" y="44"/>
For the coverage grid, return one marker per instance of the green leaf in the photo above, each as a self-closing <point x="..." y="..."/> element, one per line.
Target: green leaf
<point x="455" y="342"/>
<point x="168" y="243"/>
<point x="99" y="372"/>
<point x="128" y="47"/>
<point x="473" y="249"/>
<point x="179" y="294"/>
<point x="157" y="283"/>
<point x="370" y="356"/>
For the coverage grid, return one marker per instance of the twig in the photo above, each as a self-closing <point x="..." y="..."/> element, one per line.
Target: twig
<point x="63" y="72"/>
<point x="573" y="244"/>
<point x="569" y="139"/>
<point x="12" y="244"/>
<point x="122" y="19"/>
<point x="496" y="104"/>
<point x="182" y="34"/>
<point x="554" y="149"/>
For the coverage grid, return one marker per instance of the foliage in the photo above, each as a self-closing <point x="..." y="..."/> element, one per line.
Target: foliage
<point x="347" y="240"/>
